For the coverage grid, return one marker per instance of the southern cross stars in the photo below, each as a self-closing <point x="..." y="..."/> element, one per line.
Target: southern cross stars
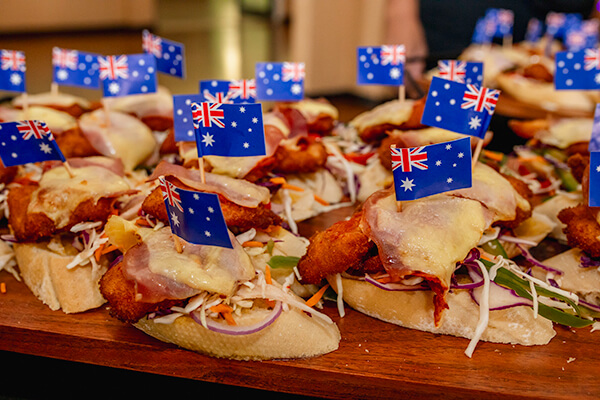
<point x="407" y="184"/>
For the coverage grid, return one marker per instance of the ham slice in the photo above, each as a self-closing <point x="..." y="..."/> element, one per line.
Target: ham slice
<point x="239" y="191"/>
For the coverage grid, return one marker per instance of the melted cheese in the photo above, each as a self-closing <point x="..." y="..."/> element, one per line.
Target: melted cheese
<point x="235" y="167"/>
<point x="393" y="112"/>
<point x="159" y="103"/>
<point x="59" y="194"/>
<point x="429" y="235"/>
<point x="51" y="99"/>
<point x="126" y="137"/>
<point x="566" y="132"/>
<point x="57" y="121"/>
<point x="313" y="108"/>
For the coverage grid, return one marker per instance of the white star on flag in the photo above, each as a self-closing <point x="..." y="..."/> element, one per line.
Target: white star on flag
<point x="474" y="122"/>
<point x="407" y="184"/>
<point x="208" y="140"/>
<point x="45" y="147"/>
<point x="207" y="233"/>
<point x="175" y="219"/>
<point x="395" y="73"/>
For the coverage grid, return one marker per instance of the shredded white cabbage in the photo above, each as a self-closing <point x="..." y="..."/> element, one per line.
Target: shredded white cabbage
<point x="287" y="205"/>
<point x="484" y="311"/>
<point x="340" y="295"/>
<point x="87" y="254"/>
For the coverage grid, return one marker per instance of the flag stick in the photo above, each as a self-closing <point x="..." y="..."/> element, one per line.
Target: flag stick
<point x="177" y="242"/>
<point x="69" y="169"/>
<point x="106" y="113"/>
<point x="54" y="89"/>
<point x="402" y="93"/>
<point x="25" y="102"/>
<point x="477" y="151"/>
<point x="507" y="41"/>
<point x="201" y="167"/>
<point x="398" y="202"/>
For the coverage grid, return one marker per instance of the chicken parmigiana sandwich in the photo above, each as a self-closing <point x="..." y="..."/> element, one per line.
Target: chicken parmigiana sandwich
<point x="223" y="301"/>
<point x="431" y="266"/>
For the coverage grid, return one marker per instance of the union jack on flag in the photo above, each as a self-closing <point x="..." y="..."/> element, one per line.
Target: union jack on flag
<point x="170" y="194"/>
<point x="461" y="71"/>
<point x="169" y="55"/>
<point x="206" y="114"/>
<point x="197" y="218"/>
<point x="243" y="89"/>
<point x="279" y="81"/>
<point x="152" y="44"/>
<point x="393" y="55"/>
<point x="114" y="67"/>
<point x="407" y="158"/>
<point x="480" y="98"/>
<point x="449" y="168"/>
<point x="232" y="130"/>
<point x="26" y="142"/>
<point x="577" y="70"/>
<point x="557" y="24"/>
<point x="373" y="69"/>
<point x="459" y="107"/>
<point x="64" y="58"/>
<point x="12" y="70"/>
<point x="128" y="74"/>
<point x="75" y="68"/>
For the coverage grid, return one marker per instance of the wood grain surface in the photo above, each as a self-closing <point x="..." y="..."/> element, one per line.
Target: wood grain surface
<point x="375" y="360"/>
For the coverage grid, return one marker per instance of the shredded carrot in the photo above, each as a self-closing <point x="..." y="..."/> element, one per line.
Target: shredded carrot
<point x="278" y="180"/>
<point x="272" y="229"/>
<point x="99" y="250"/>
<point x="292" y="187"/>
<point x="3" y="287"/>
<point x="225" y="311"/>
<point x="321" y="201"/>
<point x="252" y="243"/>
<point x="493" y="155"/>
<point x="142" y="222"/>
<point x="268" y="275"/>
<point x="533" y="158"/>
<point x="317" y="296"/>
<point x="109" y="249"/>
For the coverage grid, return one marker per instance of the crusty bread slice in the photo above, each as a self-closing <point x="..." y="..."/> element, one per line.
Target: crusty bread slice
<point x="294" y="334"/>
<point x="44" y="272"/>
<point x="414" y="309"/>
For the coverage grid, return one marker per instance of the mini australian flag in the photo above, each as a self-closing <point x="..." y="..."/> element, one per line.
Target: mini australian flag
<point x="459" y="107"/>
<point x="594" y="180"/>
<point x="428" y="170"/>
<point x="461" y="71"/>
<point x="229" y="130"/>
<point x="127" y="74"/>
<point x="183" y="123"/>
<point x="280" y="81"/>
<point x="577" y="70"/>
<point x="194" y="216"/>
<point x="26" y="142"/>
<point x="557" y="23"/>
<point x="594" y="143"/>
<point x="169" y="55"/>
<point x="484" y="31"/>
<point x="75" y="68"/>
<point x="503" y="19"/>
<point x="534" y="30"/>
<point x="12" y="70"/>
<point x="381" y="65"/>
<point x="228" y="91"/>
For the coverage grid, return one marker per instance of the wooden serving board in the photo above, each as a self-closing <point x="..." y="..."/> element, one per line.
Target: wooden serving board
<point x="375" y="360"/>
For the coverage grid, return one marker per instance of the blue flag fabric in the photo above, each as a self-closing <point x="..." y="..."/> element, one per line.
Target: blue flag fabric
<point x="75" y="68"/>
<point x="183" y="123"/>
<point x="26" y="142"/>
<point x="557" y="23"/>
<point x="381" y="65"/>
<point x="459" y="107"/>
<point x="534" y="31"/>
<point x="128" y="74"/>
<point x="502" y="19"/>
<point x="594" y="188"/>
<point x="594" y="144"/>
<point x="577" y="70"/>
<point x="196" y="217"/>
<point x="227" y="91"/>
<point x="169" y="55"/>
<point x="580" y="37"/>
<point x="229" y="130"/>
<point x="12" y="70"/>
<point x="428" y="170"/>
<point x="484" y="31"/>
<point x="461" y="71"/>
<point x="279" y="81"/>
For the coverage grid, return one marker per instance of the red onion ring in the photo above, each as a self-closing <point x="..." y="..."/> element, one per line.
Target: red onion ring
<point x="219" y="327"/>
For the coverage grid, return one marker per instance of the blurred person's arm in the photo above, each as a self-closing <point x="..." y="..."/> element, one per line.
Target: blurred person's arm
<point x="404" y="27"/>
